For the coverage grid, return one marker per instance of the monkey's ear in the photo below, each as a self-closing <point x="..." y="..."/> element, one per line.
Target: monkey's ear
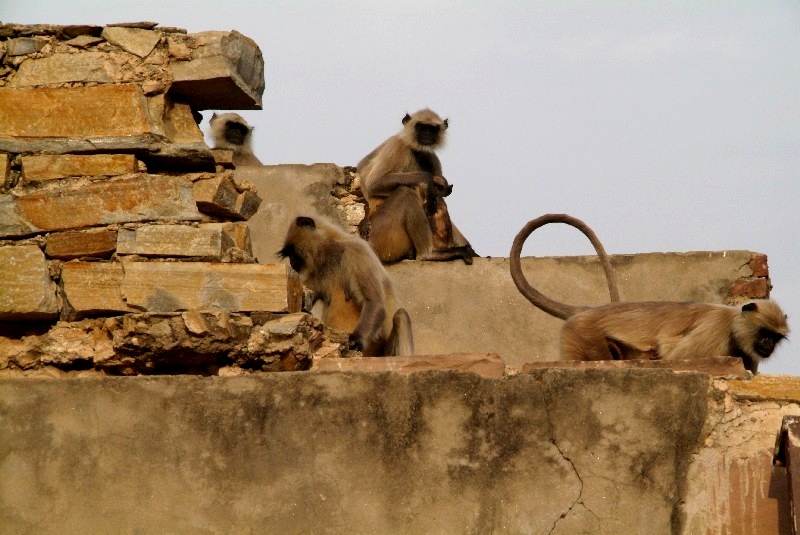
<point x="213" y="116"/>
<point x="304" y="221"/>
<point x="444" y="125"/>
<point x="406" y="118"/>
<point x="750" y="307"/>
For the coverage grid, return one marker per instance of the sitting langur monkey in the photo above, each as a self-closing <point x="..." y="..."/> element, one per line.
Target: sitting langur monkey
<point x="405" y="190"/>
<point x="657" y="329"/>
<point x="350" y="284"/>
<point x="231" y="131"/>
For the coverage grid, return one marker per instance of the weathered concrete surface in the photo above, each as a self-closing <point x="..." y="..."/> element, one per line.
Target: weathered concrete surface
<point x="486" y="365"/>
<point x="556" y="451"/>
<point x="477" y="308"/>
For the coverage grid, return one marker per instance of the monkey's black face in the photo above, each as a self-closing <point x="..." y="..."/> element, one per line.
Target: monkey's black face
<point x="427" y="134"/>
<point x="295" y="260"/>
<point x="766" y="341"/>
<point x="236" y="132"/>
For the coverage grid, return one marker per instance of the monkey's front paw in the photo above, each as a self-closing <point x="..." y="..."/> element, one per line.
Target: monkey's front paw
<point x="355" y="343"/>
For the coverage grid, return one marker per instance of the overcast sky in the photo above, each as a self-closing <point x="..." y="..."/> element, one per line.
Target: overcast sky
<point x="666" y="126"/>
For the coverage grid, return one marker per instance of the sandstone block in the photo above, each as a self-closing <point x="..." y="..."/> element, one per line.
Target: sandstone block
<point x="487" y="365"/>
<point x="5" y="165"/>
<point x="52" y="166"/>
<point x="134" y="40"/>
<point x="139" y="198"/>
<point x="175" y="286"/>
<point x="64" y="68"/>
<point x="71" y="245"/>
<point x="26" y="290"/>
<point x="238" y="233"/>
<point x="21" y="46"/>
<point x="175" y="240"/>
<point x="92" y="288"/>
<point x="219" y="196"/>
<point x="103" y="118"/>
<point x="226" y="72"/>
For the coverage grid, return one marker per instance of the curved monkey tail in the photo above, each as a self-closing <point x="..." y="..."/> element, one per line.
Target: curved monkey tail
<point x="552" y="307"/>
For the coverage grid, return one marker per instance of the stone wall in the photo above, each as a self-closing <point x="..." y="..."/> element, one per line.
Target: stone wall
<point x="124" y="244"/>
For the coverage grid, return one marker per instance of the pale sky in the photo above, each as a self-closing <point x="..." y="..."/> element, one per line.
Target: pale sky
<point x="665" y="125"/>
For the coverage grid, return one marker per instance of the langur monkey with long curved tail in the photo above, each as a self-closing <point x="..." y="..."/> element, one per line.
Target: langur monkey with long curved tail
<point x="657" y="329"/>
<point x="350" y="286"/>
<point x="231" y="131"/>
<point x="405" y="190"/>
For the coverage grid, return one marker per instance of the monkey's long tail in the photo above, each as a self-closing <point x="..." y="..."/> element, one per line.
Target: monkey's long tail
<point x="552" y="307"/>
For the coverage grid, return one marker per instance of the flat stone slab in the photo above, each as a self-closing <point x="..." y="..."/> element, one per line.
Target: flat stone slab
<point x="26" y="290"/>
<point x="53" y="166"/>
<point x="716" y="366"/>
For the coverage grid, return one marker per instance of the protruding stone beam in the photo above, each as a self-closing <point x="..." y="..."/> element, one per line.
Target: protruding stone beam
<point x="226" y="72"/>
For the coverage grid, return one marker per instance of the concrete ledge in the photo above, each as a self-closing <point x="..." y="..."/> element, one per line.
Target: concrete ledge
<point x="430" y="452"/>
<point x="488" y="365"/>
<point x="729" y="367"/>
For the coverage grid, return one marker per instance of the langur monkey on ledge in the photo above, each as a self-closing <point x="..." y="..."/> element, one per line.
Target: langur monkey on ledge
<point x="350" y="285"/>
<point x="653" y="330"/>
<point x="403" y="184"/>
<point x="231" y="131"/>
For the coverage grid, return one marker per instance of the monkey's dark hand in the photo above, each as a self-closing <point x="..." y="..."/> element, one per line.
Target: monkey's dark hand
<point x="440" y="186"/>
<point x="355" y="343"/>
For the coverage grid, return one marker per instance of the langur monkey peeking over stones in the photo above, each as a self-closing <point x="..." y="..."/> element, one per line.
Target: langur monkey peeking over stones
<point x="657" y="329"/>
<point x="231" y="131"/>
<point x="404" y="187"/>
<point x="350" y="286"/>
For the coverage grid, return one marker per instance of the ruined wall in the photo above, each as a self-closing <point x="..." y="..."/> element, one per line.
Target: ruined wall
<point x="116" y="219"/>
<point x="128" y="247"/>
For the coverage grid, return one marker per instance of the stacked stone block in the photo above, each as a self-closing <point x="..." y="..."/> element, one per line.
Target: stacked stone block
<point x="124" y="244"/>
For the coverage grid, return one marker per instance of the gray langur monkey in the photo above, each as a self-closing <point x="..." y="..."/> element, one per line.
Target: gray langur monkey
<point x="663" y="330"/>
<point x="350" y="284"/>
<point x="231" y="131"/>
<point x="404" y="187"/>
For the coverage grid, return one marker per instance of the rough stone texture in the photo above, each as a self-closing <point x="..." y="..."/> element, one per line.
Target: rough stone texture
<point x="171" y="286"/>
<point x="176" y="241"/>
<point x="191" y="342"/>
<point x="52" y="166"/>
<point x="218" y="195"/>
<point x="26" y="290"/>
<point x="226" y="72"/>
<point x="92" y="288"/>
<point x="74" y="112"/>
<point x="127" y="199"/>
<point x="78" y="244"/>
<point x="24" y="45"/>
<point x="485" y="365"/>
<point x="5" y="164"/>
<point x="134" y="40"/>
<point x="439" y="295"/>
<point x="64" y="68"/>
<point x="430" y="452"/>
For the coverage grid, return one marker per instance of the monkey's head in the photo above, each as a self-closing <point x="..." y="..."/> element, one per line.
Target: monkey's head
<point x="424" y="130"/>
<point x="312" y="245"/>
<point x="759" y="328"/>
<point x="229" y="130"/>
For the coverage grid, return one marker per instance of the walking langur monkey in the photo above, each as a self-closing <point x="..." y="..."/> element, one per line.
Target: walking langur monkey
<point x="350" y="286"/>
<point x="231" y="131"/>
<point x="657" y="329"/>
<point x="404" y="187"/>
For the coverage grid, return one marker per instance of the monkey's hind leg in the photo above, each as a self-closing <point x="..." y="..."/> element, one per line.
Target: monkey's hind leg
<point x="401" y="339"/>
